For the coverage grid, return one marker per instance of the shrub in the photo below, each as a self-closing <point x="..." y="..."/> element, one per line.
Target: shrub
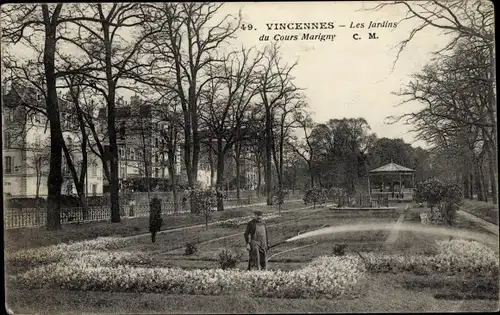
<point x="316" y="195"/>
<point x="26" y="202"/>
<point x="443" y="199"/>
<point x="190" y="249"/>
<point x="203" y="201"/>
<point x="334" y="193"/>
<point x="339" y="249"/>
<point x="279" y="196"/>
<point x="229" y="259"/>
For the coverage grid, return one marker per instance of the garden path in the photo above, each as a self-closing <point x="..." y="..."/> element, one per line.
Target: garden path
<point x="215" y="222"/>
<point x="393" y="236"/>
<point x="493" y="228"/>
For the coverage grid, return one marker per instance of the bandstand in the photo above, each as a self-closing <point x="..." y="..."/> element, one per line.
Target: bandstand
<point x="391" y="180"/>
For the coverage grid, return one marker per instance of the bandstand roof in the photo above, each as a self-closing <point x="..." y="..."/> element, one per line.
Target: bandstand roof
<point x="391" y="168"/>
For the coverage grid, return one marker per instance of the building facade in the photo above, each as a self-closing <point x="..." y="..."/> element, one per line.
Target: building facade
<point x="26" y="147"/>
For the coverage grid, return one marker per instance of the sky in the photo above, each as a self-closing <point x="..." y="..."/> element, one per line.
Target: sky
<point x="344" y="78"/>
<point x="347" y="77"/>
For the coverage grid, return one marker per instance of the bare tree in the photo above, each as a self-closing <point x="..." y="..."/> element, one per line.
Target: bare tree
<point x="99" y="35"/>
<point x="466" y="21"/>
<point x="285" y="123"/>
<point x="304" y="147"/>
<point x="190" y="39"/>
<point x="227" y="102"/>
<point x="276" y="81"/>
<point x="39" y="27"/>
<point x="455" y="91"/>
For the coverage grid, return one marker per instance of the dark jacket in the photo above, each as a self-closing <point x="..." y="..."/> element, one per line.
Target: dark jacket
<point x="155" y="219"/>
<point x="250" y="231"/>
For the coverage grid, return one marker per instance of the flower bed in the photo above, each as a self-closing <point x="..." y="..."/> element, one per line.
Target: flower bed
<point x="453" y="257"/>
<point x="100" y="271"/>
<point x="55" y="253"/>
<point x="236" y="222"/>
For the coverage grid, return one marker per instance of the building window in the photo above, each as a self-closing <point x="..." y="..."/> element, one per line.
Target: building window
<point x="156" y="142"/>
<point x="156" y="157"/>
<point x="10" y="115"/>
<point x="8" y="164"/>
<point x="157" y="172"/>
<point x="94" y="168"/>
<point x="8" y="139"/>
<point x="94" y="189"/>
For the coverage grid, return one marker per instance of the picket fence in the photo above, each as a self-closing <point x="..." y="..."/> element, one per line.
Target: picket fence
<point x="35" y="217"/>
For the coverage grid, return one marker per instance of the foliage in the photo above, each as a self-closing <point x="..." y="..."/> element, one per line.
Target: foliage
<point x="339" y="249"/>
<point x="91" y="266"/>
<point x="191" y="249"/>
<point x="280" y="196"/>
<point x="25" y="202"/>
<point x="446" y="197"/>
<point x="334" y="193"/>
<point x="316" y="195"/>
<point x="228" y="259"/>
<point x="204" y="200"/>
<point x="139" y="184"/>
<point x="453" y="257"/>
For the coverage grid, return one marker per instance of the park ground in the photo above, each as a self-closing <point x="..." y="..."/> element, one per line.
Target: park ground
<point x="386" y="292"/>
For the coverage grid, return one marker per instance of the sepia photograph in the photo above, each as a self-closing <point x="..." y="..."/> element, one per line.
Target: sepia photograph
<point x="249" y="157"/>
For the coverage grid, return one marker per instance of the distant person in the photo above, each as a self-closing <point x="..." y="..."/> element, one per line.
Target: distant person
<point x="155" y="220"/>
<point x="256" y="238"/>
<point x="131" y="211"/>
<point x="184" y="200"/>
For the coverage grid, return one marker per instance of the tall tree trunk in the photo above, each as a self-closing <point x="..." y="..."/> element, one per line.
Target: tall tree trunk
<point x="465" y="182"/>
<point x="220" y="175"/>
<point x="489" y="149"/>
<point x="212" y="167"/>
<point x="79" y="181"/>
<point x="493" y="182"/>
<point x="268" y="149"/>
<point x="55" y="179"/>
<point x="484" y="184"/>
<point x="477" y="181"/>
<point x="471" y="186"/>
<point x="237" y="154"/>
<point x="111" y="126"/>
<point x="312" y="179"/>
<point x="259" y="174"/>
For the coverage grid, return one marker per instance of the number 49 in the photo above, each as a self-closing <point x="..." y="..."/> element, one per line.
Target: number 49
<point x="248" y="27"/>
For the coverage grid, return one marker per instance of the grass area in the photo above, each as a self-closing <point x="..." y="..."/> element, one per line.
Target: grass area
<point x="420" y="243"/>
<point x="169" y="249"/>
<point x="401" y="292"/>
<point x="485" y="210"/>
<point x="386" y="293"/>
<point x="39" y="236"/>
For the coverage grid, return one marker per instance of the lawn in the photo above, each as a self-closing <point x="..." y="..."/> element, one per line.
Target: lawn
<point x="39" y="236"/>
<point x="485" y="210"/>
<point x="171" y="252"/>
<point x="385" y="292"/>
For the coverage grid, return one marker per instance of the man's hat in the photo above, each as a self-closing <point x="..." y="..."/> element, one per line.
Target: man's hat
<point x="258" y="212"/>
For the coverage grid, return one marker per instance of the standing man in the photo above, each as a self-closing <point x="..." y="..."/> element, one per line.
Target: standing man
<point x="257" y="242"/>
<point x="155" y="219"/>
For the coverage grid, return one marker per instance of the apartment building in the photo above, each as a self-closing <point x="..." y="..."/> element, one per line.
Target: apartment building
<point x="26" y="146"/>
